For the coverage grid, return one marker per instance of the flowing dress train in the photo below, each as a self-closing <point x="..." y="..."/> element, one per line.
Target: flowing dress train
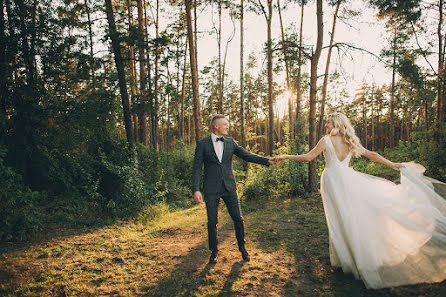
<point x="386" y="234"/>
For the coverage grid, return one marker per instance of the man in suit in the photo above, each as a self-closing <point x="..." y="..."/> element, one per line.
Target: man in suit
<point x="215" y="152"/>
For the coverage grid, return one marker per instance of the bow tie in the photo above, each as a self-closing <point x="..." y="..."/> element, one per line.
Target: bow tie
<point x="220" y="139"/>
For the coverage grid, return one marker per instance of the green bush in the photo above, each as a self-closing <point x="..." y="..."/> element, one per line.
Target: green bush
<point x="19" y="213"/>
<point x="265" y="183"/>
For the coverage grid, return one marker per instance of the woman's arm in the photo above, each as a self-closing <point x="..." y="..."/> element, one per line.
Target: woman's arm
<point x="316" y="151"/>
<point x="380" y="159"/>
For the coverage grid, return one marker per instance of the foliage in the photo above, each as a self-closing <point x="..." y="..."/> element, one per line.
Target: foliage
<point x="19" y="214"/>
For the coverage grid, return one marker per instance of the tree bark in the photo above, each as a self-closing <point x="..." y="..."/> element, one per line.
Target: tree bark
<point x="242" y="86"/>
<point x="440" y="83"/>
<point x="154" y="134"/>
<point x="220" y="76"/>
<point x="270" y="80"/>
<point x="373" y="117"/>
<point x="132" y="77"/>
<point x="299" y="71"/>
<point x="327" y="68"/>
<point x="90" y="35"/>
<point x="27" y="51"/>
<point x="287" y="72"/>
<point x="3" y="64"/>
<point x="183" y="93"/>
<point x="392" y="96"/>
<point x="120" y="69"/>
<point x="194" y="72"/>
<point x="142" y="78"/>
<point x="313" y="90"/>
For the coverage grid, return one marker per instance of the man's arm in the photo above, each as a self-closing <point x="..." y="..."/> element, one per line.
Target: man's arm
<point x="249" y="157"/>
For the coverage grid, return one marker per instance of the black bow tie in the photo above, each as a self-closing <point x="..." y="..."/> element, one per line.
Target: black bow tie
<point x="220" y="139"/>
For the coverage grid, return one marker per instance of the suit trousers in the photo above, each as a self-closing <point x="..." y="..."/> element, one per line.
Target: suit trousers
<point x="233" y="205"/>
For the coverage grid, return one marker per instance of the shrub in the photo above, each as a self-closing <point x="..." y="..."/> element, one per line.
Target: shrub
<point x="19" y="213"/>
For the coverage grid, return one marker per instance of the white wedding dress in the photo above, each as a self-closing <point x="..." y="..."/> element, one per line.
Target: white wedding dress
<point x="386" y="234"/>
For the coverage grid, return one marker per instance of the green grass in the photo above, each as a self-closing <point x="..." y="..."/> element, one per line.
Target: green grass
<point x="168" y="255"/>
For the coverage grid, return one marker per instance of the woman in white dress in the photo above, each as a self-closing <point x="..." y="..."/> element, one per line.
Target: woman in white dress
<point x="384" y="233"/>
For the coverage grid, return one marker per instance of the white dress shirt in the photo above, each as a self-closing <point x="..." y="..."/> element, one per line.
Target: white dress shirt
<point x="218" y="146"/>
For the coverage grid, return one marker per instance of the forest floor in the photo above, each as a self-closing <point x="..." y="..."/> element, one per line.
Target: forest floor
<point x="287" y="241"/>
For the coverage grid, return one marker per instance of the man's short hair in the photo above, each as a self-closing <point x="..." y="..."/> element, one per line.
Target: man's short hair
<point x="215" y="118"/>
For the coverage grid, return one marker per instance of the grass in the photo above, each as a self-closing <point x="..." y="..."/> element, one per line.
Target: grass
<point x="168" y="257"/>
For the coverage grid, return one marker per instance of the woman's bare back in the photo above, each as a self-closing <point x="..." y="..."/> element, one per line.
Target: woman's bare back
<point x="340" y="146"/>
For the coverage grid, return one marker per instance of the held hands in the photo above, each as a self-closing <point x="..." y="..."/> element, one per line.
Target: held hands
<point x="277" y="160"/>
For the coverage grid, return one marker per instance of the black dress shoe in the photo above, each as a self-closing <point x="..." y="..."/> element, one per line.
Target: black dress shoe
<point x="213" y="258"/>
<point x="245" y="255"/>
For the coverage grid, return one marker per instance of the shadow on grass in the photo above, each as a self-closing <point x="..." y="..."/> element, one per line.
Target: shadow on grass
<point x="185" y="278"/>
<point x="231" y="278"/>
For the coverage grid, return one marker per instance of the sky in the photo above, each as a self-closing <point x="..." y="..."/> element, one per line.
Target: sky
<point x="364" y="31"/>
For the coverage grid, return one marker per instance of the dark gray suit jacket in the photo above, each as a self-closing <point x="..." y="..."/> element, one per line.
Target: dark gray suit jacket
<point x="216" y="172"/>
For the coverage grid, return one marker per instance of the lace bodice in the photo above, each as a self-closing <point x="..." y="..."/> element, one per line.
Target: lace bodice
<point x="331" y="159"/>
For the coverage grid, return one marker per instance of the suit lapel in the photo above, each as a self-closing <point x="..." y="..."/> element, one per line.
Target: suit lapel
<point x="211" y="144"/>
<point x="225" y="148"/>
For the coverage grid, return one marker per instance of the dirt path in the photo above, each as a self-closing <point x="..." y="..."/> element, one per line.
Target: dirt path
<point x="287" y="241"/>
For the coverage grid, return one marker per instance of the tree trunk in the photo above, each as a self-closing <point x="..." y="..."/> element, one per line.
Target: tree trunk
<point x="132" y="76"/>
<point x="299" y="71"/>
<point x="270" y="81"/>
<point x="364" y="120"/>
<point x="90" y="35"/>
<point x="373" y="119"/>
<point x="313" y="90"/>
<point x="392" y="97"/>
<point x="195" y="30"/>
<point x="287" y="72"/>
<point x="150" y="92"/>
<point x="3" y="64"/>
<point x="27" y="51"/>
<point x="220" y="76"/>
<point x="242" y="89"/>
<point x="183" y="93"/>
<point x="327" y="67"/>
<point x="142" y="78"/>
<point x="440" y="81"/>
<point x="155" y="108"/>
<point x="194" y="72"/>
<point x="120" y="69"/>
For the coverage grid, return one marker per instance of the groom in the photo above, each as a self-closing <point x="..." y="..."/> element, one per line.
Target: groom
<point x="216" y="151"/>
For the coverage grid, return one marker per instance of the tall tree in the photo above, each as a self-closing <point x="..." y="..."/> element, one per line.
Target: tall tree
<point x="327" y="68"/>
<point x="266" y="8"/>
<point x="3" y="64"/>
<point x="242" y="86"/>
<point x="114" y="36"/>
<point x="155" y="105"/>
<point x="194" y="71"/>
<point x="313" y="90"/>
<point x="143" y="130"/>
<point x="441" y="69"/>
<point x="132" y="74"/>
<point x="299" y="61"/>
<point x="287" y="72"/>
<point x="90" y="35"/>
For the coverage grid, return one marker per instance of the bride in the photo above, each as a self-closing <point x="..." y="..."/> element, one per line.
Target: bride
<point x="384" y="233"/>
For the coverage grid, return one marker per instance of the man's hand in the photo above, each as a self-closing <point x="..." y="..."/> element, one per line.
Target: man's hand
<point x="272" y="161"/>
<point x="198" y="197"/>
<point x="276" y="160"/>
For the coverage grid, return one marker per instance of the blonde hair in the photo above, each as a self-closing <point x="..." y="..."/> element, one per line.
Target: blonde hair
<point x="344" y="128"/>
<point x="215" y="118"/>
